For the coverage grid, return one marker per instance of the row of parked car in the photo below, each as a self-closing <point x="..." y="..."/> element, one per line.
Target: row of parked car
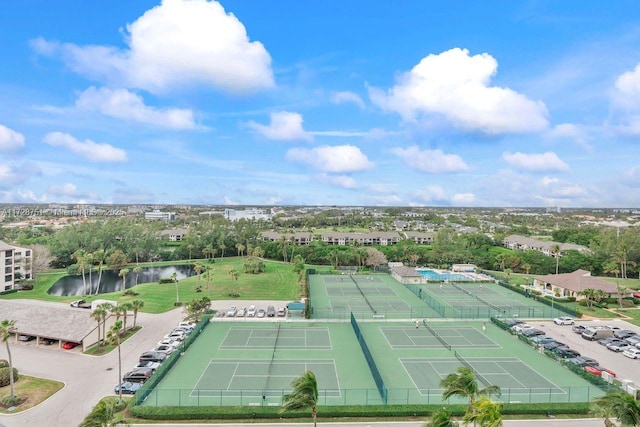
<point x="623" y="341"/>
<point x="253" y="311"/>
<point x="558" y="348"/>
<point x="151" y="360"/>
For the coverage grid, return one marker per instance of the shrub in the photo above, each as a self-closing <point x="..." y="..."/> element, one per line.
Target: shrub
<point x="4" y="363"/>
<point x="165" y="280"/>
<point x="11" y="401"/>
<point x="5" y="376"/>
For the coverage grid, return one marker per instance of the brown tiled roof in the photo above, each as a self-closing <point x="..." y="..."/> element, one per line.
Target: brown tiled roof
<point x="578" y="281"/>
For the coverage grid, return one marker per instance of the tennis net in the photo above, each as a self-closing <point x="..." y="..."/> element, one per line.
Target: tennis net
<point x="273" y="356"/>
<point x="468" y="365"/>
<point x="363" y="295"/>
<point x="482" y="300"/>
<point x="435" y="334"/>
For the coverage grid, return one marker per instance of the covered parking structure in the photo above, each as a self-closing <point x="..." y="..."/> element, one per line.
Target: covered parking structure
<point x="52" y="321"/>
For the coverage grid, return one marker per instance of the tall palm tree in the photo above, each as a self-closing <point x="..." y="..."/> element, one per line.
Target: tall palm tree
<point x="102" y="415"/>
<point x="136" y="305"/>
<point x="555" y="251"/>
<point x="79" y="256"/>
<point x="125" y="307"/>
<point x="198" y="268"/>
<point x="99" y="256"/>
<point x="463" y="383"/>
<point x="113" y="337"/>
<point x="486" y="413"/>
<point x="136" y="270"/>
<point x="619" y="405"/>
<point x="107" y="310"/>
<point x="304" y="395"/>
<point x="98" y="315"/>
<point x="7" y="327"/>
<point x="123" y="273"/>
<point x="174" y="277"/>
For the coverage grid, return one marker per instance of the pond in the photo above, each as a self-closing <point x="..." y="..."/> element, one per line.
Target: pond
<point x="111" y="282"/>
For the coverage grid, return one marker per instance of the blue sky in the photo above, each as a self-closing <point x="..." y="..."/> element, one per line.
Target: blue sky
<point x="393" y="103"/>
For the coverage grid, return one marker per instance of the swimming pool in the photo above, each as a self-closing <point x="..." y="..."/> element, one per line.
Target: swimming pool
<point x="440" y="275"/>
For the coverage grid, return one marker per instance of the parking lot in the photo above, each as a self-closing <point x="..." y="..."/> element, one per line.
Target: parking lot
<point x="624" y="367"/>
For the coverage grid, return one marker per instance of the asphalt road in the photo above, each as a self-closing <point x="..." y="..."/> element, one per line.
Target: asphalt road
<point x="88" y="378"/>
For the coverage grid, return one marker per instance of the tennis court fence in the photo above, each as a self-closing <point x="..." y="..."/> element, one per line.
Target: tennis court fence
<point x="377" y="378"/>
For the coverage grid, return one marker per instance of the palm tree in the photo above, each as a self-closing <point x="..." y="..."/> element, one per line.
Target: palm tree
<point x="174" y="277"/>
<point x="486" y="412"/>
<point x="136" y="305"/>
<point x="107" y="310"/>
<point x="114" y="339"/>
<point x="589" y="294"/>
<point x="98" y="315"/>
<point x="123" y="273"/>
<point x="88" y="260"/>
<point x="79" y="256"/>
<point x="555" y="251"/>
<point x="441" y="418"/>
<point x="619" y="405"/>
<point x="198" y="268"/>
<point x="125" y="307"/>
<point x="102" y="415"/>
<point x="304" y="395"/>
<point x="463" y="383"/>
<point x="99" y="256"/>
<point x="136" y="270"/>
<point x="7" y="327"/>
<point x="240" y="248"/>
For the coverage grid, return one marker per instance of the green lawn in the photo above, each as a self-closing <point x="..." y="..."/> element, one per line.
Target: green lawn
<point x="278" y="282"/>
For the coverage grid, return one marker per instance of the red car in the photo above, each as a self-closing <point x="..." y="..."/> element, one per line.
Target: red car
<point x="69" y="345"/>
<point x="593" y="370"/>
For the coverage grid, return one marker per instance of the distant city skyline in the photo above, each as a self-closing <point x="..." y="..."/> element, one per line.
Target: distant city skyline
<point x="442" y="104"/>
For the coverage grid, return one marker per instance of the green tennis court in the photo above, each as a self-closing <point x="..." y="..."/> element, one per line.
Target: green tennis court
<point x="456" y="336"/>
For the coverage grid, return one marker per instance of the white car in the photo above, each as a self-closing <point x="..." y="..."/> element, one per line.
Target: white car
<point x="176" y="336"/>
<point x="169" y="341"/>
<point x="167" y="349"/>
<point x="187" y="324"/>
<point x="564" y="320"/>
<point x="521" y="326"/>
<point x="252" y="311"/>
<point x="147" y="364"/>
<point x="632" y="353"/>
<point x="241" y="312"/>
<point x="232" y="311"/>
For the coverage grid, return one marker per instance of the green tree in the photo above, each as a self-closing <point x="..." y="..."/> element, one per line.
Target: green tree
<point x="8" y="327"/>
<point x="113" y="338"/>
<point x="555" y="251"/>
<point x="174" y="277"/>
<point x="441" y="418"/>
<point x="80" y="257"/>
<point x="99" y="256"/>
<point x="136" y="270"/>
<point x="125" y="307"/>
<point x="123" y="273"/>
<point x="98" y="314"/>
<point x="102" y="415"/>
<point x="198" y="268"/>
<point x="304" y="395"/>
<point x="463" y="383"/>
<point x="589" y="295"/>
<point x="486" y="413"/>
<point x="136" y="305"/>
<point x="619" y="405"/>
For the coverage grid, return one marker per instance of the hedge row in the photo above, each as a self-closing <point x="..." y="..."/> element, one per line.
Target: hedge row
<point x="174" y="413"/>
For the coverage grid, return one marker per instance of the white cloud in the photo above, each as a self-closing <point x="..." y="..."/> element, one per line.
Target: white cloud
<point x="71" y="190"/>
<point x="627" y="89"/>
<point x="125" y="105"/>
<point x="347" y="97"/>
<point x="10" y="140"/>
<point x="331" y="159"/>
<point x="463" y="199"/>
<point x="13" y="175"/>
<point x="177" y="43"/>
<point x="432" y="193"/>
<point x="536" y="162"/>
<point x="343" y="181"/>
<point x="430" y="161"/>
<point x="571" y="132"/>
<point x="88" y="149"/>
<point x="284" y="126"/>
<point x="455" y="86"/>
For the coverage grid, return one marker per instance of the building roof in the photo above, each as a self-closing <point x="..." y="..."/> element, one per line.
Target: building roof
<point x="578" y="281"/>
<point x="49" y="320"/>
<point x="404" y="271"/>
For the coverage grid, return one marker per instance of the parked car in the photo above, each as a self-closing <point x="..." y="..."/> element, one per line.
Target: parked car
<point x="282" y="311"/>
<point x="607" y="341"/>
<point x="168" y="349"/>
<point x="80" y="304"/>
<point x="169" y="341"/>
<point x="251" y="312"/>
<point x="565" y="353"/>
<point x="127" y="388"/>
<point x="542" y="339"/>
<point x="593" y="370"/>
<point x="69" y="345"/>
<point x="175" y="335"/>
<point x="596" y="333"/>
<point x="623" y="333"/>
<point x="147" y="364"/>
<point x="138" y="376"/>
<point x="153" y="356"/>
<point x="583" y="361"/>
<point x="633" y="339"/>
<point x="578" y="329"/>
<point x="187" y="324"/>
<point x="26" y="338"/>
<point x="271" y="311"/>
<point x="513" y="322"/>
<point x="632" y="353"/>
<point x="554" y="344"/>
<point x="185" y="330"/>
<point x="619" y="346"/>
<point x="241" y="312"/>
<point x="520" y="326"/>
<point x="261" y="312"/>
<point x="47" y="341"/>
<point x="531" y="332"/>
<point x="232" y="311"/>
<point x="564" y="320"/>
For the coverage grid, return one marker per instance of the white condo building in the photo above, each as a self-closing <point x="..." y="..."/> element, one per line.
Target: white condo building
<point x="15" y="262"/>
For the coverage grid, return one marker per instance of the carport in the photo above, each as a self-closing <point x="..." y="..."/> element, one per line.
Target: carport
<point x="46" y="320"/>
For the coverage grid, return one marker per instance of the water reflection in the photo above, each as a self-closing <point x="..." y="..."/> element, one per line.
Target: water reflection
<point x="111" y="282"/>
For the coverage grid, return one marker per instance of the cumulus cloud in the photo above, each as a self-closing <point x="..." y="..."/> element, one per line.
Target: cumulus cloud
<point x="10" y="140"/>
<point x="331" y="159"/>
<point x="626" y="101"/>
<point x="569" y="131"/>
<point x="557" y="189"/>
<point x="177" y="43"/>
<point x="13" y="175"/>
<point x="125" y="105"/>
<point x="536" y="162"/>
<point x="284" y="126"/>
<point x="87" y="149"/>
<point x="430" y="161"/>
<point x="456" y="86"/>
<point x="463" y="199"/>
<point x="347" y="97"/>
<point x="431" y="193"/>
<point x="71" y="190"/>
<point x="343" y="181"/>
